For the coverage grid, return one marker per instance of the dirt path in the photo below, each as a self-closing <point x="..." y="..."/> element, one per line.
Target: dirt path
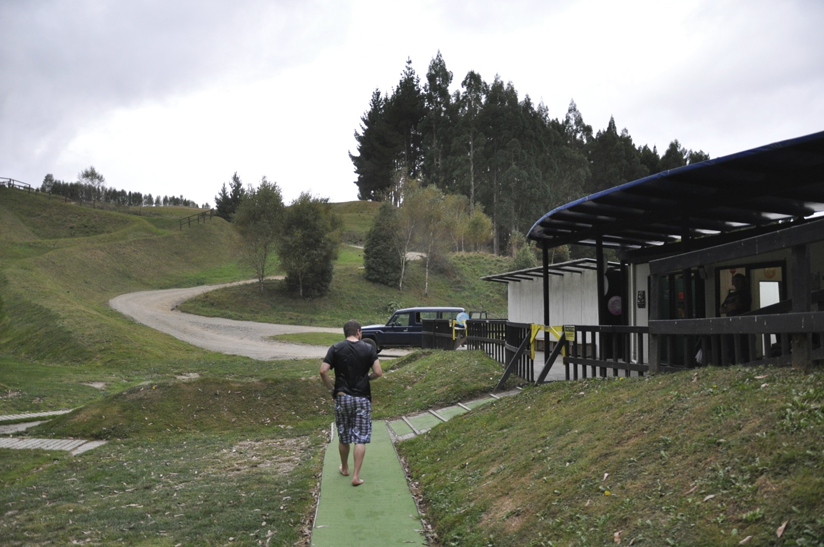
<point x="156" y="309"/>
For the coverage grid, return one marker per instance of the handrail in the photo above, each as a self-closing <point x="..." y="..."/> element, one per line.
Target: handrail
<point x="12" y="183"/>
<point x="197" y="217"/>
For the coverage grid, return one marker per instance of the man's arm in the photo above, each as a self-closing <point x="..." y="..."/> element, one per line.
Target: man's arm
<point x="377" y="372"/>
<point x="324" y="375"/>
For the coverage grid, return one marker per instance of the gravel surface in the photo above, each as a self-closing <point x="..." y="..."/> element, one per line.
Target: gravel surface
<point x="157" y="309"/>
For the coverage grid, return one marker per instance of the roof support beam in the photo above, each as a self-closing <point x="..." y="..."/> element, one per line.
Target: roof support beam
<point x="802" y="234"/>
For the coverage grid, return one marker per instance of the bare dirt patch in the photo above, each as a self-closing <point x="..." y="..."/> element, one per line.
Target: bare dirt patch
<point x="96" y="385"/>
<point x="188" y="376"/>
<point x="279" y="456"/>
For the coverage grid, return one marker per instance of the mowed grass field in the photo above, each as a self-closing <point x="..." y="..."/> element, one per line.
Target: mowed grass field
<point x="208" y="449"/>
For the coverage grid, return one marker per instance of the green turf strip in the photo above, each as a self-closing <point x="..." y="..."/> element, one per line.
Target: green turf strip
<point x="400" y="427"/>
<point x="380" y="512"/>
<point x="451" y="411"/>
<point x="424" y="422"/>
<point x="480" y="402"/>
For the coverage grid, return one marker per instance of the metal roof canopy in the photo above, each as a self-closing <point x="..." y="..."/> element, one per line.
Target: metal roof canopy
<point x="561" y="268"/>
<point x="743" y="191"/>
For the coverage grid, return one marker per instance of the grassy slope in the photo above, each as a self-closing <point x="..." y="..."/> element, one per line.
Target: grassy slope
<point x="704" y="458"/>
<point x="357" y="219"/>
<point x="60" y="266"/>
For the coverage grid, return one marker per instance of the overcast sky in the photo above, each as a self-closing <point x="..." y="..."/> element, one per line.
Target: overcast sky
<point x="172" y="97"/>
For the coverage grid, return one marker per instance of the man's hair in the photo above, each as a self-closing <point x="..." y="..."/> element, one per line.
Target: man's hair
<point x="739" y="278"/>
<point x="351" y="328"/>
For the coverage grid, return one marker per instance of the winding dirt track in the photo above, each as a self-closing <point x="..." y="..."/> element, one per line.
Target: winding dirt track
<point x="157" y="309"/>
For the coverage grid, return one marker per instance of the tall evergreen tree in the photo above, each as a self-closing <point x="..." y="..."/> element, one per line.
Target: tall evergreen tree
<point x="227" y="201"/>
<point x="696" y="156"/>
<point x="613" y="159"/>
<point x="436" y="126"/>
<point x="468" y="141"/>
<point x="405" y="111"/>
<point x="674" y="157"/>
<point x="375" y="161"/>
<point x="380" y="256"/>
<point x="650" y="159"/>
<point x="578" y="133"/>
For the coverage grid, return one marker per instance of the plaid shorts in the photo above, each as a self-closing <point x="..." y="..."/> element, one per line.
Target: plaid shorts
<point x="354" y="418"/>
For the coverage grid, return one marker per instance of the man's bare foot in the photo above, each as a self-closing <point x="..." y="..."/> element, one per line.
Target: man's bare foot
<point x="357" y="482"/>
<point x="343" y="472"/>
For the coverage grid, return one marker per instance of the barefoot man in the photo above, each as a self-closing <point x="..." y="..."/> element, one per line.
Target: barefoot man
<point x="355" y="363"/>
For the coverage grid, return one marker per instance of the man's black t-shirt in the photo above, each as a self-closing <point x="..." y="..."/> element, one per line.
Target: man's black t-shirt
<point x="352" y="363"/>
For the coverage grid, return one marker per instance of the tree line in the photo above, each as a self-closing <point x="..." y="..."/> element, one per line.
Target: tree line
<point x="91" y="186"/>
<point x="503" y="153"/>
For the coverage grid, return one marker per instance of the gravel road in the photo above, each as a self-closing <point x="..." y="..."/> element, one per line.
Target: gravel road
<point x="157" y="309"/>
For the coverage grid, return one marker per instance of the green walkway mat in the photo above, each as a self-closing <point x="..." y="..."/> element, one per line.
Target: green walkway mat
<point x="451" y="411"/>
<point x="424" y="422"/>
<point x="480" y="402"/>
<point x="379" y="512"/>
<point x="400" y="427"/>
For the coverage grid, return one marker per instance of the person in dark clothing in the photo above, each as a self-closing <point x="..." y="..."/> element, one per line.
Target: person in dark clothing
<point x="355" y="363"/>
<point x="738" y="301"/>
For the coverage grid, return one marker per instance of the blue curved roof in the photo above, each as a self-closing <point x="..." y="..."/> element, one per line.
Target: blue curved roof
<point x="779" y="181"/>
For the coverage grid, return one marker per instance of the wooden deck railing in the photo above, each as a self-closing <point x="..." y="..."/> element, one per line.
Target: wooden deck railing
<point x="499" y="338"/>
<point x="664" y="346"/>
<point x="781" y="339"/>
<point x="600" y="349"/>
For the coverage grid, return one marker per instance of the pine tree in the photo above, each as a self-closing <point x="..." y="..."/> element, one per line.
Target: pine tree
<point x="674" y="157"/>
<point x="613" y="159"/>
<point x="374" y="163"/>
<point x="380" y="257"/>
<point x="650" y="159"/>
<point x="227" y="201"/>
<point x="405" y="111"/>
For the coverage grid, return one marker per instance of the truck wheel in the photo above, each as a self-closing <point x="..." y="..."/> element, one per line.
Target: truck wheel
<point x="371" y="342"/>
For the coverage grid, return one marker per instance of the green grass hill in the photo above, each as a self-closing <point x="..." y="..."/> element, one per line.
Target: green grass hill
<point x="211" y="449"/>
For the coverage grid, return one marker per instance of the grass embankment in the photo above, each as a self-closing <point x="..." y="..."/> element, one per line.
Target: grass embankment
<point x="206" y="462"/>
<point x="696" y="458"/>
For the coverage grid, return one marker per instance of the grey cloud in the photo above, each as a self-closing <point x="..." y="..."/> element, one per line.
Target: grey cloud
<point x="64" y="63"/>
